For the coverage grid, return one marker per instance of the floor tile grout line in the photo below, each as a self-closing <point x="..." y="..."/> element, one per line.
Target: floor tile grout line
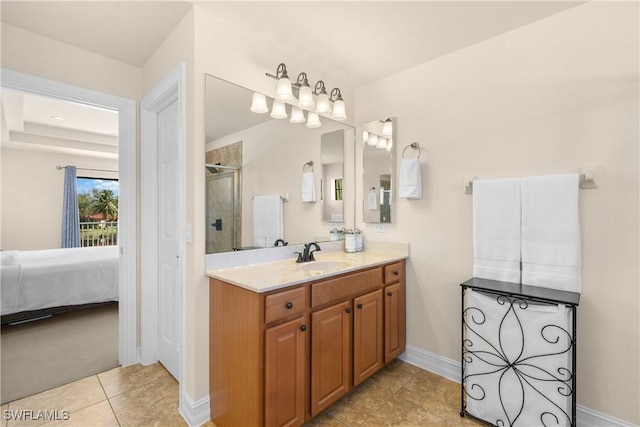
<point x="109" y="402"/>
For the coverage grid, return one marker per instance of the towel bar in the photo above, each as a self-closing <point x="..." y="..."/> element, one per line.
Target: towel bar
<point x="587" y="181"/>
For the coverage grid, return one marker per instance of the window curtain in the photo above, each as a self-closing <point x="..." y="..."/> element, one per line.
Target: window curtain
<point x="70" y="213"/>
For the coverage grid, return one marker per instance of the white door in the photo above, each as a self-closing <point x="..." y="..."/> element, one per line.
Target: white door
<point x="168" y="243"/>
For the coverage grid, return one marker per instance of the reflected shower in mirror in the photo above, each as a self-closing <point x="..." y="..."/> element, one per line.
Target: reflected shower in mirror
<point x="268" y="156"/>
<point x="377" y="161"/>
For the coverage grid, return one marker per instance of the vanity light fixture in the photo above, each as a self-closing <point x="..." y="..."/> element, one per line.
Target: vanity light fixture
<point x="387" y="128"/>
<point x="389" y="144"/>
<point x="284" y="92"/>
<point x="278" y="111"/>
<point x="373" y="140"/>
<point x="321" y="104"/>
<point x="339" y="112"/>
<point x="313" y="121"/>
<point x="259" y="103"/>
<point x="305" y="96"/>
<point x="297" y="116"/>
<point x="382" y="143"/>
<point x="365" y="136"/>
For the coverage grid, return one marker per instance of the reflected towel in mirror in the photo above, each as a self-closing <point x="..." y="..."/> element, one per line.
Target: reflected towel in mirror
<point x="268" y="224"/>
<point x="372" y="201"/>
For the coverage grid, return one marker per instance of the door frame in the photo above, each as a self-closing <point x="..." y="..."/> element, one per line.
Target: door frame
<point x="127" y="161"/>
<point x="170" y="89"/>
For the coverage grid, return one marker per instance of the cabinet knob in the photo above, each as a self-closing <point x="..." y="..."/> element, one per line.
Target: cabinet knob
<point x="396" y="272"/>
<point x="303" y="328"/>
<point x="389" y="293"/>
<point x="289" y="305"/>
<point x="359" y="306"/>
<point x="348" y="310"/>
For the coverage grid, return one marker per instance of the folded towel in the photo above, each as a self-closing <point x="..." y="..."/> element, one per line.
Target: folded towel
<point x="372" y="201"/>
<point x="308" y="187"/>
<point x="551" y="253"/>
<point x="496" y="229"/>
<point x="410" y="179"/>
<point x="268" y="224"/>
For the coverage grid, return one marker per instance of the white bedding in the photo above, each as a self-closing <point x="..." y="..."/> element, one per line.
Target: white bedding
<point x="33" y="280"/>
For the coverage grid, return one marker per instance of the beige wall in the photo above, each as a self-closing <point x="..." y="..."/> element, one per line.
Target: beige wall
<point x="31" y="192"/>
<point x="33" y="54"/>
<point x="550" y="97"/>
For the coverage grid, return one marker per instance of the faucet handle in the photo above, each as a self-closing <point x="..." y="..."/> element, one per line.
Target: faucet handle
<point x="311" y="257"/>
<point x="300" y="259"/>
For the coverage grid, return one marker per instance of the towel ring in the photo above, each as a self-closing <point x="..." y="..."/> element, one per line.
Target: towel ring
<point x="309" y="163"/>
<point x="413" y="145"/>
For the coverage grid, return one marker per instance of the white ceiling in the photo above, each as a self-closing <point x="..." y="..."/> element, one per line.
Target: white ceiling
<point x="351" y="42"/>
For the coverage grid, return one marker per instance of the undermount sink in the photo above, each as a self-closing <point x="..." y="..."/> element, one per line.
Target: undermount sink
<point x="324" y="266"/>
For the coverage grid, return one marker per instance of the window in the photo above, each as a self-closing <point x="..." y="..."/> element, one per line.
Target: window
<point x="98" y="208"/>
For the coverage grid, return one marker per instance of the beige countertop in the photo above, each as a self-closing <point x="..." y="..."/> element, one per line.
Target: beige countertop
<point x="280" y="274"/>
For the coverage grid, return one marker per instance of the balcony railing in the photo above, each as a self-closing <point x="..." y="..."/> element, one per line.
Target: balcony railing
<point x="99" y="233"/>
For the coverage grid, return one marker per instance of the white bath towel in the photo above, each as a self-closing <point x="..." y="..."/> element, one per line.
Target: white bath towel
<point x="410" y="179"/>
<point x="308" y="187"/>
<point x="551" y="253"/>
<point x="496" y="229"/>
<point x="517" y="365"/>
<point x="268" y="224"/>
<point x="372" y="201"/>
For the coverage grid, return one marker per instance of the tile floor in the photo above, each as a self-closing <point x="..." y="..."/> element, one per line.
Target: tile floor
<point x="399" y="395"/>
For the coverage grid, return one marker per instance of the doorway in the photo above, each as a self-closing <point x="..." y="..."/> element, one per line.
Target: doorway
<point x="127" y="258"/>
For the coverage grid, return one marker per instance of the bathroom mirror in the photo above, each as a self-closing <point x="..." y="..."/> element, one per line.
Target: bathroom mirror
<point x="377" y="164"/>
<point x="332" y="181"/>
<point x="254" y="155"/>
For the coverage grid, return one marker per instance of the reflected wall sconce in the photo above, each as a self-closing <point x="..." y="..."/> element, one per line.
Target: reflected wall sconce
<point x="321" y="104"/>
<point x="383" y="141"/>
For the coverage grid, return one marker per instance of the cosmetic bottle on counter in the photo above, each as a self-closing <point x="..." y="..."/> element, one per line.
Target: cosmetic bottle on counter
<point x="349" y="241"/>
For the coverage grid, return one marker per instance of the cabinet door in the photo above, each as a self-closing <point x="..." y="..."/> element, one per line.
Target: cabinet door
<point x="394" y="322"/>
<point x="284" y="369"/>
<point x="367" y="336"/>
<point x="330" y="355"/>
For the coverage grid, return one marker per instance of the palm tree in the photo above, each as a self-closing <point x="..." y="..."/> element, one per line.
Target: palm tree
<point x="106" y="202"/>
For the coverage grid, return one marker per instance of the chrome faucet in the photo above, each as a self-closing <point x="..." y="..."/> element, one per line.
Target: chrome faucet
<point x="307" y="254"/>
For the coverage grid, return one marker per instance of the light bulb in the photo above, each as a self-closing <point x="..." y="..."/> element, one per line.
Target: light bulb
<point x="339" y="110"/>
<point x="306" y="101"/>
<point x="259" y="103"/>
<point x="373" y="139"/>
<point x="387" y="128"/>
<point x="284" y="92"/>
<point x="278" y="111"/>
<point x="297" y="116"/>
<point x="322" y="104"/>
<point x="313" y="121"/>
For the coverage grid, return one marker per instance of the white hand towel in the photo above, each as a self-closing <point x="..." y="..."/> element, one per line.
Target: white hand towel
<point x="506" y="345"/>
<point x="268" y="224"/>
<point x="496" y="229"/>
<point x="372" y="201"/>
<point x="551" y="253"/>
<point x="410" y="179"/>
<point x="308" y="187"/>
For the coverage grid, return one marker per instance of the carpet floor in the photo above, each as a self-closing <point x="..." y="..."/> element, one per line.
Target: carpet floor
<point x="44" y="354"/>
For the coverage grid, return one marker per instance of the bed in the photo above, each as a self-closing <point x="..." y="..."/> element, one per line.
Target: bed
<point x="46" y="281"/>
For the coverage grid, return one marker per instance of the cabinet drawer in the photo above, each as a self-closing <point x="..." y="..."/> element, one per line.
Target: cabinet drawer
<point x="344" y="287"/>
<point x="393" y="273"/>
<point x="284" y="304"/>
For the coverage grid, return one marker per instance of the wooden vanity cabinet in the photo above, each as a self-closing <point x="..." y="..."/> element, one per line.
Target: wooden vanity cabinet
<point x="395" y="313"/>
<point x="279" y="358"/>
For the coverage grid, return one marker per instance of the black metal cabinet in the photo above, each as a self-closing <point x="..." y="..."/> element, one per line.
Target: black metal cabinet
<point x="518" y="354"/>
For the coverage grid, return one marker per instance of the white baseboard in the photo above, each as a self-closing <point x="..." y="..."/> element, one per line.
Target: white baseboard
<point x="194" y="413"/>
<point x="451" y="369"/>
